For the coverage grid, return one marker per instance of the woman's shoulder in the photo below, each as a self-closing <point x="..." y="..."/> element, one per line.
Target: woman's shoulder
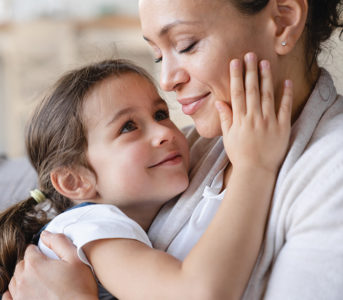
<point x="315" y="156"/>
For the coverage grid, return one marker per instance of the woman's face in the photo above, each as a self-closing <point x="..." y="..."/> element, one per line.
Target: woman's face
<point x="194" y="40"/>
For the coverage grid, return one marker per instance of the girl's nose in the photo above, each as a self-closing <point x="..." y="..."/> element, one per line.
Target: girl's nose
<point x="172" y="75"/>
<point x="161" y="135"/>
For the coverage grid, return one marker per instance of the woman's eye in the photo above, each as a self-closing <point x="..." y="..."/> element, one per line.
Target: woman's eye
<point x="189" y="48"/>
<point x="158" y="60"/>
<point x="128" y="127"/>
<point x="161" y="115"/>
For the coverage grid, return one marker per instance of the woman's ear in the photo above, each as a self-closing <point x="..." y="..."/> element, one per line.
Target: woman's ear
<point x="289" y="18"/>
<point x="74" y="183"/>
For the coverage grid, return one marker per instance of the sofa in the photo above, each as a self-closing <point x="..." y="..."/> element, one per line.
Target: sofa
<point x="17" y="179"/>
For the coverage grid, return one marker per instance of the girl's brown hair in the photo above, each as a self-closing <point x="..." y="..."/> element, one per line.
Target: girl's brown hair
<point x="55" y="138"/>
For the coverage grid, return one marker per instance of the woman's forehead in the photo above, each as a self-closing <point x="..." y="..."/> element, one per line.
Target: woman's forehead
<point x="158" y="15"/>
<point x="190" y="8"/>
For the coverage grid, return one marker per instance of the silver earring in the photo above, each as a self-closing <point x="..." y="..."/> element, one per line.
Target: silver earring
<point x="283" y="43"/>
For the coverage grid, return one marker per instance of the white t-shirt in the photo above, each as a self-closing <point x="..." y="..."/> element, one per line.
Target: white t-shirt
<point x="93" y="222"/>
<point x="89" y="222"/>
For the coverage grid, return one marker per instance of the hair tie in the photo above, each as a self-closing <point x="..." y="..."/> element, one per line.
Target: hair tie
<point x="37" y="195"/>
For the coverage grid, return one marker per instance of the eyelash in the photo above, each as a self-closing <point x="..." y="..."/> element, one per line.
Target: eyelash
<point x="126" y="124"/>
<point x="132" y="122"/>
<point x="189" y="48"/>
<point x="164" y="111"/>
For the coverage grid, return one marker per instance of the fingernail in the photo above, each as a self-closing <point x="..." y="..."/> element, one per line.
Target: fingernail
<point x="288" y="83"/>
<point x="235" y="63"/>
<point x="265" y="64"/>
<point x="218" y="105"/>
<point x="250" y="56"/>
<point x="45" y="233"/>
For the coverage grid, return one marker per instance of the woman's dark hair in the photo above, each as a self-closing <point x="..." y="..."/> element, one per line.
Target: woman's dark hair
<point x="324" y="16"/>
<point x="55" y="137"/>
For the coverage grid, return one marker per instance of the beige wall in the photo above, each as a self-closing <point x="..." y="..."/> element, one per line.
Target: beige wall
<point x="34" y="54"/>
<point x="332" y="59"/>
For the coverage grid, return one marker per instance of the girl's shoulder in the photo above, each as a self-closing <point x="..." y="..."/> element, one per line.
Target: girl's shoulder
<point x="84" y="224"/>
<point x="89" y="215"/>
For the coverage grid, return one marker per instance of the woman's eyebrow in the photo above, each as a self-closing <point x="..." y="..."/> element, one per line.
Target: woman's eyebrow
<point x="166" y="28"/>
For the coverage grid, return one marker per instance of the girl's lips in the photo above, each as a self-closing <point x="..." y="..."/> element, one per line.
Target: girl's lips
<point x="191" y="105"/>
<point x="171" y="159"/>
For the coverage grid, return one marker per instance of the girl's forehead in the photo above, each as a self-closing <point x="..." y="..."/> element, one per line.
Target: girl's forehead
<point x="115" y="92"/>
<point x="119" y="86"/>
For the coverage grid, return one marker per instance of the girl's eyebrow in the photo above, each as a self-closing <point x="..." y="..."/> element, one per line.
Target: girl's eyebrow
<point x="166" y="28"/>
<point x="120" y="113"/>
<point x="159" y="101"/>
<point x="131" y="109"/>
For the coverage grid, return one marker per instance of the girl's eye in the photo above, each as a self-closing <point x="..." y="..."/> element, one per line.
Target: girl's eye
<point x="189" y="48"/>
<point x="128" y="127"/>
<point x="161" y="115"/>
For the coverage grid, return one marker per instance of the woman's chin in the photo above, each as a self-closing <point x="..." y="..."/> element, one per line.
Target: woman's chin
<point x="208" y="129"/>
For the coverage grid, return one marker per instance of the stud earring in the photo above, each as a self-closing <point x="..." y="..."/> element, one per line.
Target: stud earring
<point x="284" y="43"/>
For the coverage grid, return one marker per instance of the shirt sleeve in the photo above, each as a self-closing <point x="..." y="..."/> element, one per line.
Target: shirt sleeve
<point x="95" y="222"/>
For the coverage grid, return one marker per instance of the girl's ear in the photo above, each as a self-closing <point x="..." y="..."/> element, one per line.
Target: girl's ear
<point x="289" y="20"/>
<point x="74" y="183"/>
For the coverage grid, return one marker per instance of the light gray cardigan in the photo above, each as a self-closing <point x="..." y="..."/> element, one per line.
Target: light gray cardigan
<point x="302" y="255"/>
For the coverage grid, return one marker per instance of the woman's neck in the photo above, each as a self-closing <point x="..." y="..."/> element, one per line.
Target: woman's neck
<point x="304" y="82"/>
<point x="303" y="77"/>
<point x="303" y="88"/>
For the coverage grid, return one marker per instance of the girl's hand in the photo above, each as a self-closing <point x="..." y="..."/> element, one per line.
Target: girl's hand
<point x="254" y="135"/>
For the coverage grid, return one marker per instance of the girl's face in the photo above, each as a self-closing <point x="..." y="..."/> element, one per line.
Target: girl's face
<point x="194" y="42"/>
<point x="137" y="153"/>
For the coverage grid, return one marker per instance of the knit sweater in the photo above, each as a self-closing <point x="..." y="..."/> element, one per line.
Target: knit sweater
<point x="302" y="253"/>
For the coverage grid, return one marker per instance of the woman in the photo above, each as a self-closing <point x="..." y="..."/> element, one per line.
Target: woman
<point x="302" y="255"/>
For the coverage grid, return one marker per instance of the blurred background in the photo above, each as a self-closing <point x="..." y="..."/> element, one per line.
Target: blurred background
<point x="41" y="39"/>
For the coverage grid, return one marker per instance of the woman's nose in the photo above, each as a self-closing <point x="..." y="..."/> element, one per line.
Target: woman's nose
<point x="172" y="75"/>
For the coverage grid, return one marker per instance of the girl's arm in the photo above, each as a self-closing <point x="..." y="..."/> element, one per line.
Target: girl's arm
<point x="219" y="266"/>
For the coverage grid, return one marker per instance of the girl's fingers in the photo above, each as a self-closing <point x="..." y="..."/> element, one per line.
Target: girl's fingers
<point x="225" y="116"/>
<point x="267" y="91"/>
<point x="252" y="90"/>
<point x="237" y="92"/>
<point x="285" y="109"/>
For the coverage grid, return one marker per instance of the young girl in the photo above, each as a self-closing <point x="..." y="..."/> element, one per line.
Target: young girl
<point x="104" y="137"/>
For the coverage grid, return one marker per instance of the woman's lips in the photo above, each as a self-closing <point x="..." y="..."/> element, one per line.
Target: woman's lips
<point x="191" y="105"/>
